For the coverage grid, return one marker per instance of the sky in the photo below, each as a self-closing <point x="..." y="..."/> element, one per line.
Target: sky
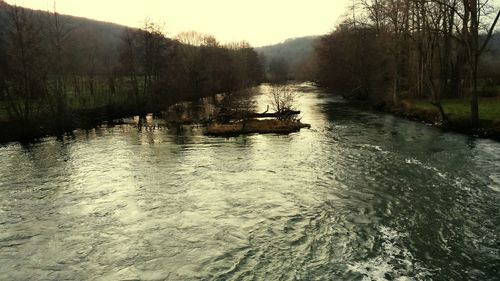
<point x="260" y="22"/>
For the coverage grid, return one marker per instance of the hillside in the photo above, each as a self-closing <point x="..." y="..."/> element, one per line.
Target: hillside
<point x="291" y="52"/>
<point x="111" y="29"/>
<point x="84" y="31"/>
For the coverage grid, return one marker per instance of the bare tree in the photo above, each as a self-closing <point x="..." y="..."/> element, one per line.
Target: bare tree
<point x="130" y="61"/>
<point x="472" y="20"/>
<point x="153" y="56"/>
<point x="24" y="72"/>
<point x="282" y="100"/>
<point x="57" y="34"/>
<point x="192" y="38"/>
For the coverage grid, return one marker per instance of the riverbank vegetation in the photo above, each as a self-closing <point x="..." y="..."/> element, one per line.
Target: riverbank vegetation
<point x="489" y="108"/>
<point x="435" y="55"/>
<point x="55" y="76"/>
<point x="457" y="112"/>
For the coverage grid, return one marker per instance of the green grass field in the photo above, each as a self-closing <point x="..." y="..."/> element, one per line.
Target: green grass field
<point x="489" y="108"/>
<point x="75" y="101"/>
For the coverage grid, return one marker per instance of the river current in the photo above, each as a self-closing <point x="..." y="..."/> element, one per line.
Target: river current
<point x="359" y="196"/>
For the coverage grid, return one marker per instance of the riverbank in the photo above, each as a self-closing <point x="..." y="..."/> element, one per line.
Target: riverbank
<point x="44" y="125"/>
<point x="456" y="116"/>
<point x="456" y="111"/>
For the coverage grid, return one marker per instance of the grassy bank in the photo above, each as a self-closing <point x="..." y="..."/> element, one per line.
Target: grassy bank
<point x="489" y="108"/>
<point x="457" y="113"/>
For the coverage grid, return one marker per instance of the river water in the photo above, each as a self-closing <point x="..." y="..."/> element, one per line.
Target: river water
<point x="359" y="196"/>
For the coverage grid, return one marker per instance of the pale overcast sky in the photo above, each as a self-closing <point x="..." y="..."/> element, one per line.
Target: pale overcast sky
<point x="259" y="22"/>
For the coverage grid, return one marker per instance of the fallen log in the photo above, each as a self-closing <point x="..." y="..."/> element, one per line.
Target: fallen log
<point x="273" y="114"/>
<point x="238" y="115"/>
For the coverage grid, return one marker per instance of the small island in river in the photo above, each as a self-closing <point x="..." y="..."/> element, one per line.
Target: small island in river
<point x="236" y="120"/>
<point x="252" y="126"/>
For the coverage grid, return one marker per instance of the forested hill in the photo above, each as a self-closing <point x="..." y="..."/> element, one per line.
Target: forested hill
<point x="292" y="49"/>
<point x="103" y="34"/>
<point x="288" y="55"/>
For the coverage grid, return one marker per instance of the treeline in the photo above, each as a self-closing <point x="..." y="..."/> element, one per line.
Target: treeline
<point x="52" y="70"/>
<point x="388" y="50"/>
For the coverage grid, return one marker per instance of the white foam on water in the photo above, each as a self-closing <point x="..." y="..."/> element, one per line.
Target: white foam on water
<point x="393" y="261"/>
<point x="414" y="161"/>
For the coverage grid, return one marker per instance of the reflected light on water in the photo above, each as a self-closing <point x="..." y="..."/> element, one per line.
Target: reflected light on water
<point x="361" y="196"/>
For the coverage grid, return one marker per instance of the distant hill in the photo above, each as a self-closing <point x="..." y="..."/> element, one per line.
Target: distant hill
<point x="111" y="29"/>
<point x="84" y="31"/>
<point x="292" y="51"/>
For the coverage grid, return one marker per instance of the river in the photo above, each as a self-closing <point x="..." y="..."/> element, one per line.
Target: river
<point x="359" y="196"/>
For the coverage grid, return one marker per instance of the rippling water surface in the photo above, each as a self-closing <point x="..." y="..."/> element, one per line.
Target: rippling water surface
<point x="360" y="196"/>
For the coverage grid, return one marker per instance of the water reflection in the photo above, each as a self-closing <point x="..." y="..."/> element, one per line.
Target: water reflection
<point x="359" y="196"/>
